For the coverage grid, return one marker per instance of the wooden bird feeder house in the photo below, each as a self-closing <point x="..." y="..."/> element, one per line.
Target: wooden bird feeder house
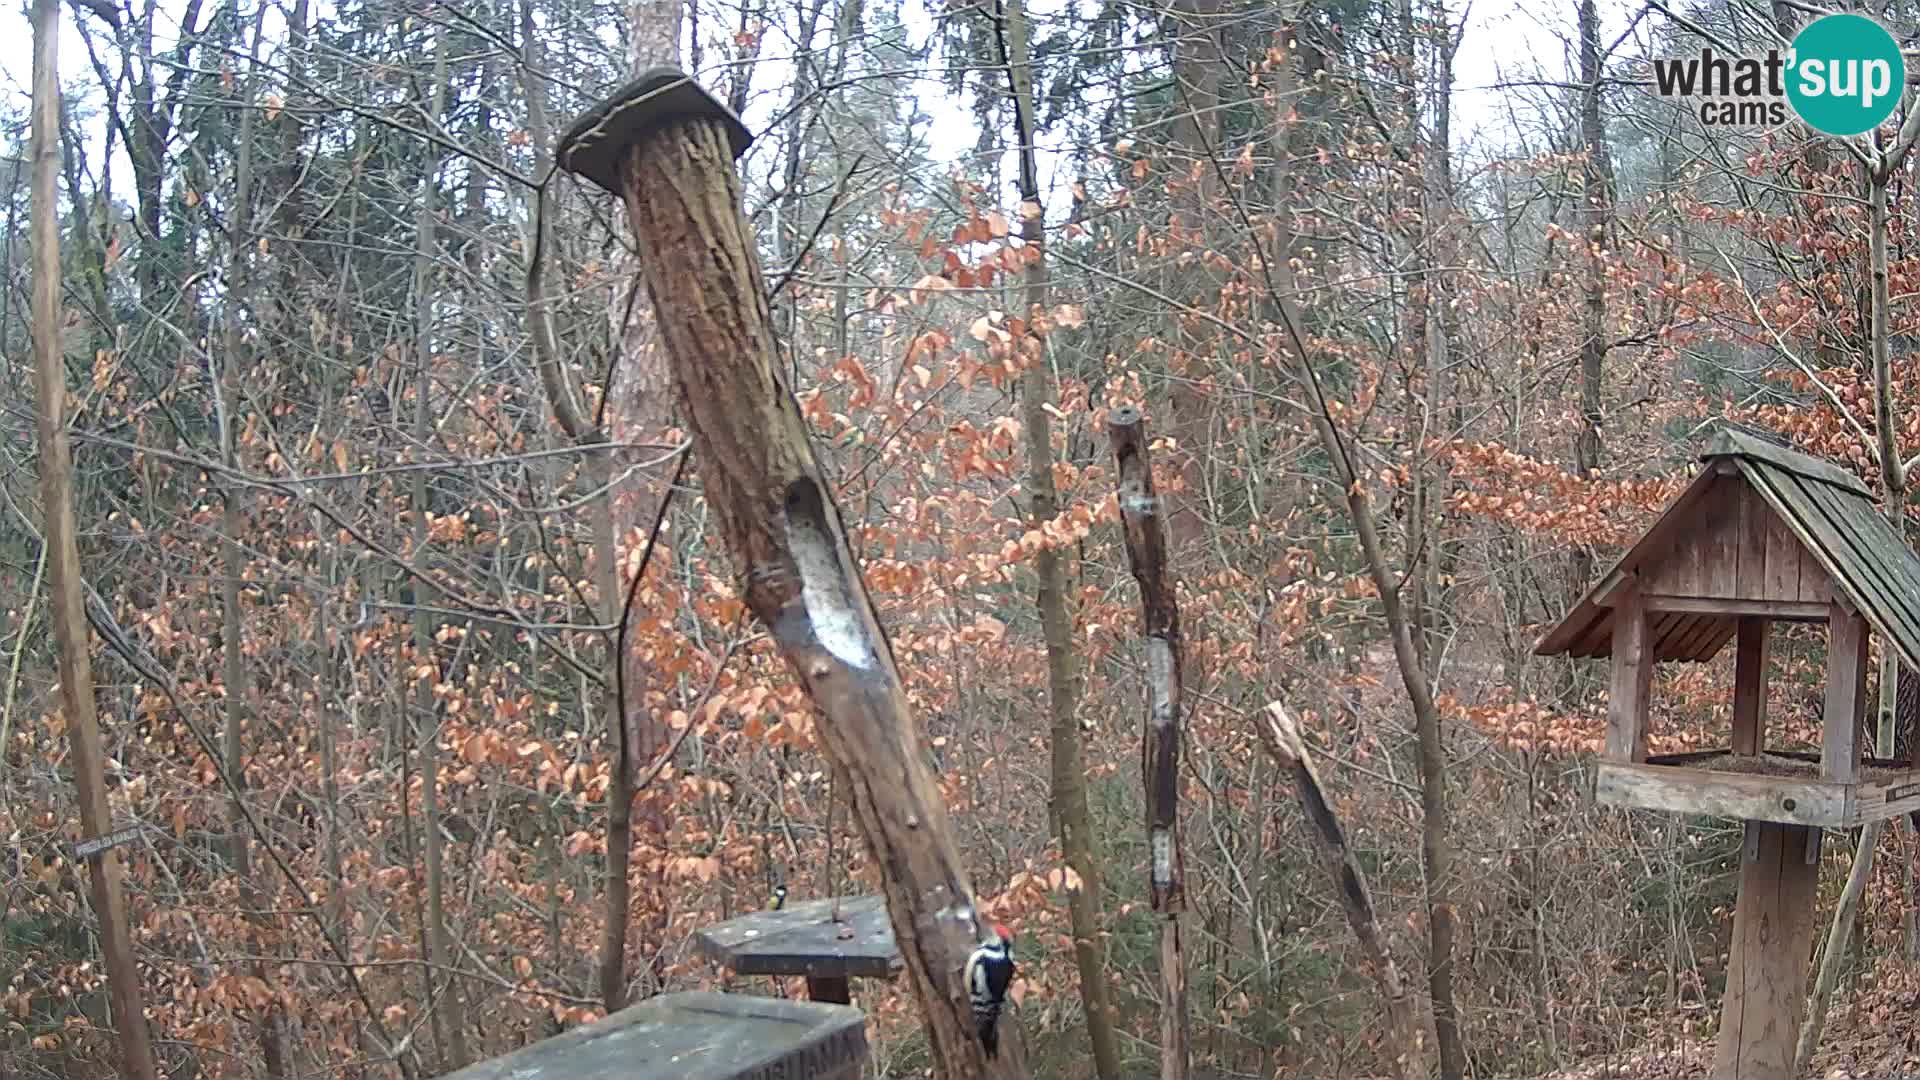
<point x="1763" y="534"/>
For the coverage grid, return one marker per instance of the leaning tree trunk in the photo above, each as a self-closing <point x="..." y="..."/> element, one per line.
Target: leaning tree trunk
<point x="1283" y="742"/>
<point x="668" y="147"/>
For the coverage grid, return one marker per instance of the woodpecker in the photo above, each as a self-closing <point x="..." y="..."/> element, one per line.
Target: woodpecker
<point x="989" y="974"/>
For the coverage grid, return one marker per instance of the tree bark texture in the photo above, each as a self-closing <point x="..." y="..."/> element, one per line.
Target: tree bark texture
<point x="1144" y="531"/>
<point x="65" y="588"/>
<point x="1198" y="71"/>
<point x="776" y="512"/>
<point x="1069" y="781"/>
<point x="1282" y="738"/>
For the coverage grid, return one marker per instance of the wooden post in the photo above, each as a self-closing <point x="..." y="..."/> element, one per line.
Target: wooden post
<point x="1750" y="686"/>
<point x="834" y="988"/>
<point x="1846" y="695"/>
<point x="667" y="147"/>
<point x="1632" y="680"/>
<point x="66" y="606"/>
<point x="1767" y="967"/>
<point x="1144" y="528"/>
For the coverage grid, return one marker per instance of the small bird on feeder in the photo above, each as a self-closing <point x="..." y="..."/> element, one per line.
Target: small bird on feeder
<point x="779" y="898"/>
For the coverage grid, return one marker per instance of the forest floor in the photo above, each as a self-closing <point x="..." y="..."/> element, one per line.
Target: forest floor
<point x="1875" y="1036"/>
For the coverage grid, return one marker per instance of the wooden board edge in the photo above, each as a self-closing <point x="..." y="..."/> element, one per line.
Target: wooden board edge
<point x="1676" y="789"/>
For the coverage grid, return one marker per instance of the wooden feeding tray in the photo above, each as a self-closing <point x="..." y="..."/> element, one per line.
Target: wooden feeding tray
<point x="804" y="939"/>
<point x="1775" y="786"/>
<point x="697" y="1036"/>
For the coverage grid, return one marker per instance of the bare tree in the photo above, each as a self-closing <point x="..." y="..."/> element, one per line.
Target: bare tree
<point x="64" y="581"/>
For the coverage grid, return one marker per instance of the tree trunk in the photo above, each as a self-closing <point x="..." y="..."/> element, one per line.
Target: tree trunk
<point x="1435" y="848"/>
<point x="1893" y="479"/>
<point x="1142" y="524"/>
<point x="633" y="736"/>
<point x="1070" y="814"/>
<point x="1198" y="68"/>
<point x="449" y="1009"/>
<point x="796" y="568"/>
<point x="65" y="587"/>
<point x="227" y="396"/>
<point x="1598" y="196"/>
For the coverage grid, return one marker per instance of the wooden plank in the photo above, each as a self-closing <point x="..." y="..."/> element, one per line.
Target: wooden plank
<point x="1685" y="567"/>
<point x="1668" y="633"/>
<point x="1739" y="444"/>
<point x="803" y="939"/>
<point x="1892" y="562"/>
<point x="1632" y="681"/>
<point x="1874" y="548"/>
<point x="1767" y="963"/>
<point x="1704" y="638"/>
<point x="1781" y="610"/>
<point x="1806" y="511"/>
<point x="1816" y="586"/>
<point x="1750" y="686"/>
<point x="1873" y="568"/>
<point x="696" y="1035"/>
<point x="1845" y="697"/>
<point x="1882" y="800"/>
<point x="1597" y="639"/>
<point x="1680" y="790"/>
<point x="837" y="989"/>
<point x="1784" y="555"/>
<point x="1719" y="542"/>
<point x="1722" y="633"/>
<point x="1750" y="544"/>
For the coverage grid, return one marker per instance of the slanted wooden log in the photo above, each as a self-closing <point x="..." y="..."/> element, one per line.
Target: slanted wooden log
<point x="1282" y="738"/>
<point x="697" y="1036"/>
<point x="667" y="148"/>
<point x="1144" y="527"/>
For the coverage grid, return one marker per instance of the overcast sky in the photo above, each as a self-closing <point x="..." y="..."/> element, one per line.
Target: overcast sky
<point x="1506" y="40"/>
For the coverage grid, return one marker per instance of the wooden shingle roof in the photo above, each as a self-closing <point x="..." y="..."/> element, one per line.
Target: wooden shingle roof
<point x="1829" y="511"/>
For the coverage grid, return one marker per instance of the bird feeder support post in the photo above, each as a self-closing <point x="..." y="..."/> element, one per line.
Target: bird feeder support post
<point x="1632" y="680"/>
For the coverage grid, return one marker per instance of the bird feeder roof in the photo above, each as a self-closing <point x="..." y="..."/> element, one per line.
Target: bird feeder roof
<point x="1828" y="512"/>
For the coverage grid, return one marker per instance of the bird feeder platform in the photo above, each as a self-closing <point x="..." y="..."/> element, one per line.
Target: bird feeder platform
<point x="1763" y="534"/>
<point x="697" y="1036"/>
<point x="804" y="939"/>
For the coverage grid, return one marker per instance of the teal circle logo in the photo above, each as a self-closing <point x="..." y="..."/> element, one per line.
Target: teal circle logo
<point x="1846" y="74"/>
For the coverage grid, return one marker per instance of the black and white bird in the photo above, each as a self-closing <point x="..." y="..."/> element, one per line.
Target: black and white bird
<point x="989" y="973"/>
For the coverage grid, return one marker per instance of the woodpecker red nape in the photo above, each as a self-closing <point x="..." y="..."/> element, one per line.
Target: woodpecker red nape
<point x="989" y="973"/>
